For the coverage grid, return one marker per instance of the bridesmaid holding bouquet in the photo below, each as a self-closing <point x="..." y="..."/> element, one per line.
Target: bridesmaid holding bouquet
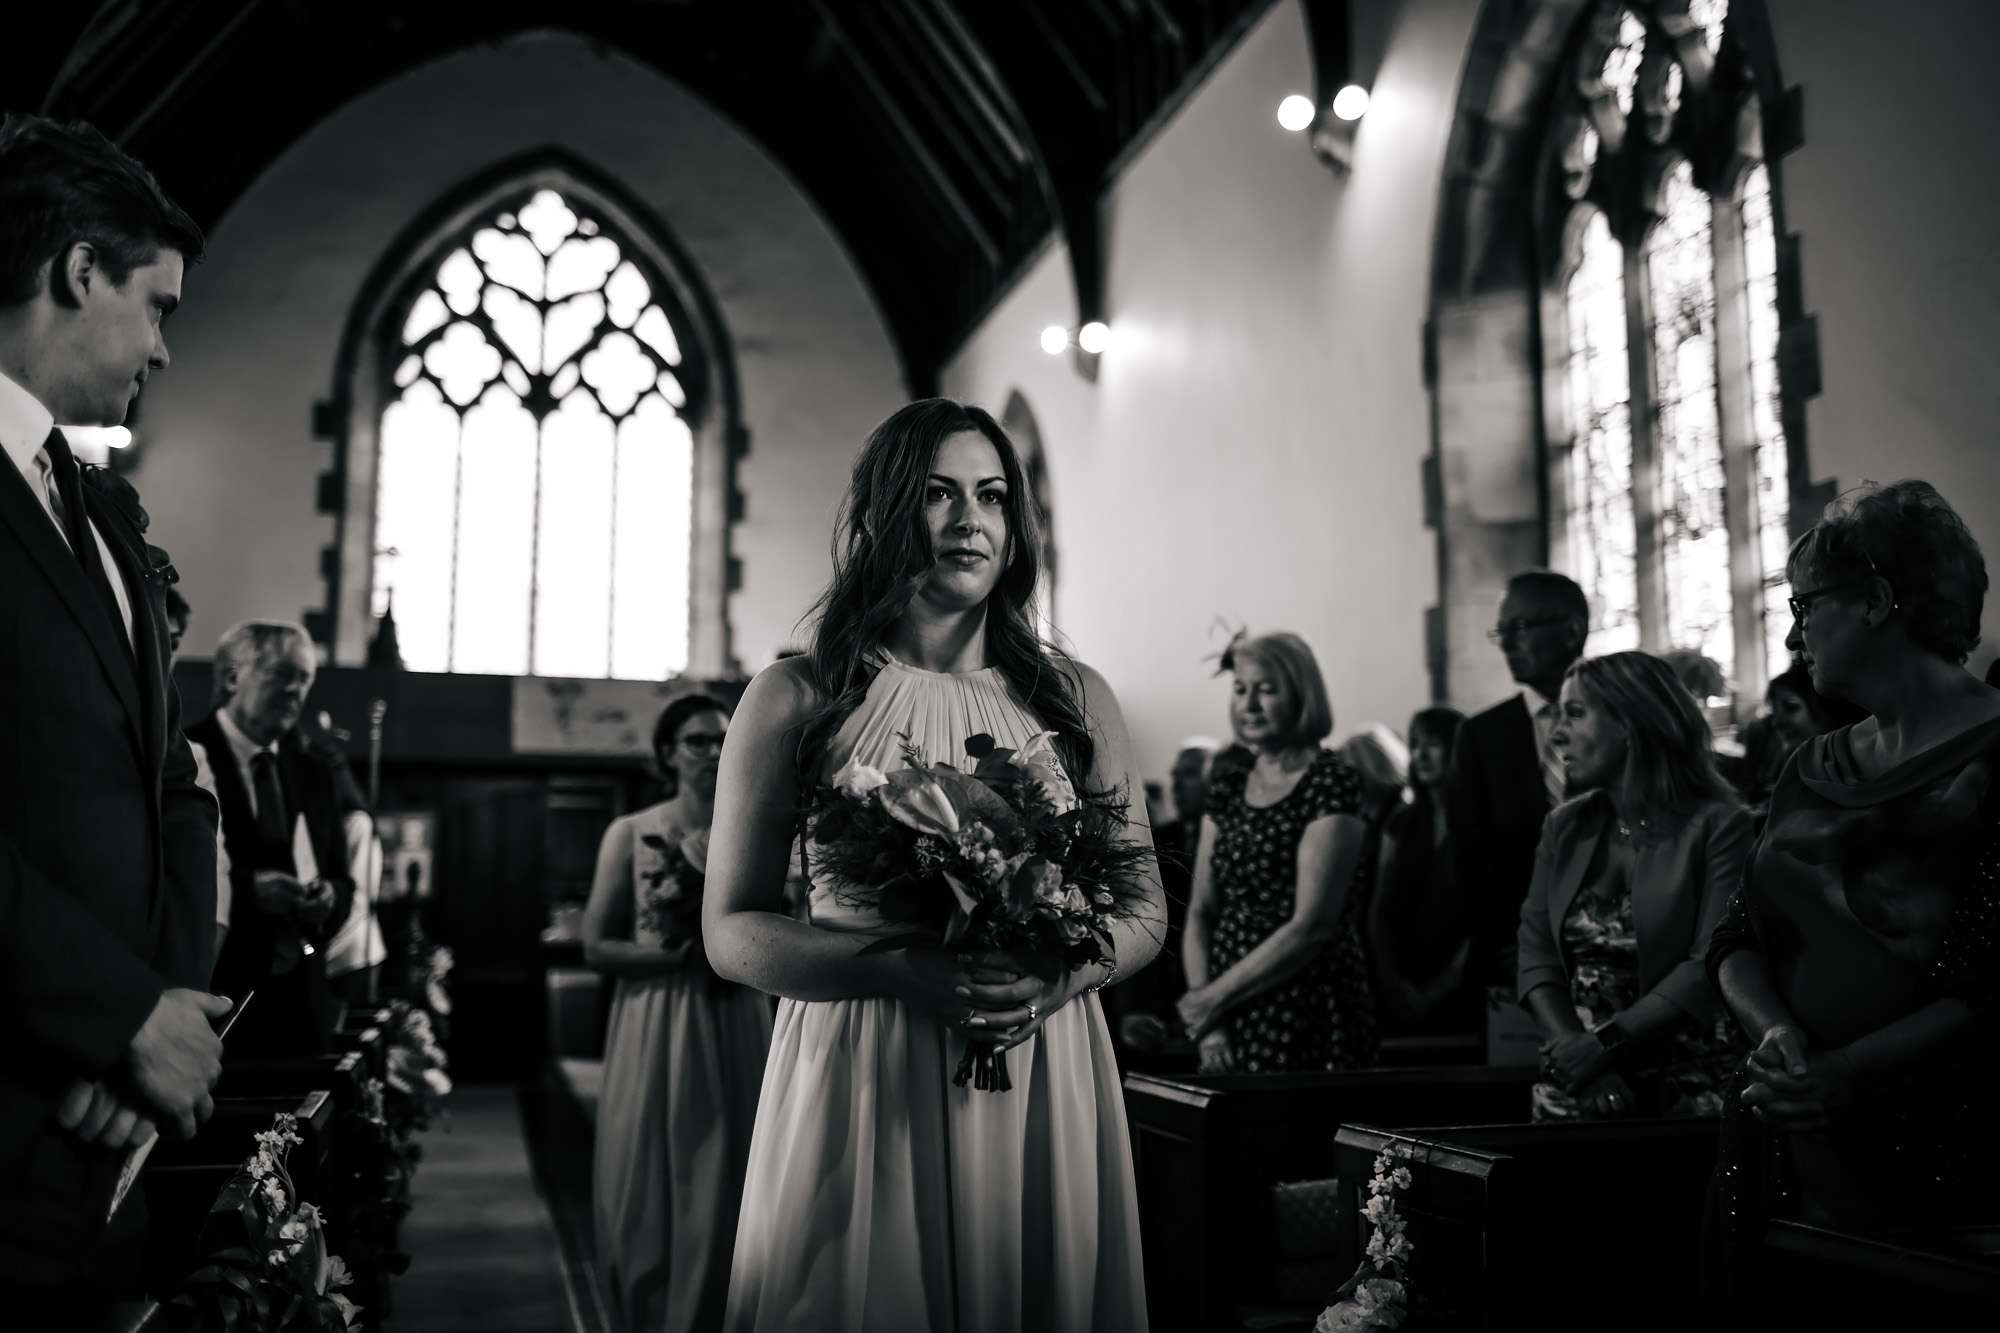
<point x="684" y="1054"/>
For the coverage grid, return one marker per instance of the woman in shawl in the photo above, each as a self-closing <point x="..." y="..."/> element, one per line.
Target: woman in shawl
<point x="1862" y="953"/>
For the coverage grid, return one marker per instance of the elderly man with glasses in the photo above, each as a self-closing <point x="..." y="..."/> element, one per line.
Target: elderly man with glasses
<point x="1504" y="778"/>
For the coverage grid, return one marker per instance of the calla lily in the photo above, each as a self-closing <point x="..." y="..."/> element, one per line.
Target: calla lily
<point x="857" y="779"/>
<point x="915" y="799"/>
<point x="1038" y="757"/>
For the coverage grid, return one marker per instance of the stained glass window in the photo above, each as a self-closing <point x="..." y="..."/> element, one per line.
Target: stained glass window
<point x="1694" y="534"/>
<point x="534" y="495"/>
<point x="1659" y="445"/>
<point x="1709" y="16"/>
<point x="1600" y="526"/>
<point x="1620" y="71"/>
<point x="1760" y="254"/>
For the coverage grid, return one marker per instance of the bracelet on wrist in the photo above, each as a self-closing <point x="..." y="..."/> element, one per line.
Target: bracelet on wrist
<point x="1110" y="973"/>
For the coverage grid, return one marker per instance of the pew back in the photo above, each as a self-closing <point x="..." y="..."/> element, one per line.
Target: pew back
<point x="1208" y="1149"/>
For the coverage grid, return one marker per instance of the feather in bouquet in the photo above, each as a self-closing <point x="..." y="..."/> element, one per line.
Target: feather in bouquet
<point x="999" y="857"/>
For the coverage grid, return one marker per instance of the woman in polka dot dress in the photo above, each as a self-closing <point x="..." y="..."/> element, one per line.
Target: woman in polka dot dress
<point x="1273" y="941"/>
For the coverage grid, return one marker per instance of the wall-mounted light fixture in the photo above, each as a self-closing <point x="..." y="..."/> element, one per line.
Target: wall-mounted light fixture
<point x="1339" y="98"/>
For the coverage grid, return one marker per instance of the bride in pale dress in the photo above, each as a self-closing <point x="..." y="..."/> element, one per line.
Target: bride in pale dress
<point x="880" y="1196"/>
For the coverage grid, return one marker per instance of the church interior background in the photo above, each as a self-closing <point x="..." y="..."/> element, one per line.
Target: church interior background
<point x="1627" y="288"/>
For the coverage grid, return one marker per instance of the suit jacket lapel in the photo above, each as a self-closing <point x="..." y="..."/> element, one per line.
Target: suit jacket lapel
<point x="147" y="638"/>
<point x="20" y="511"/>
<point x="1522" y="762"/>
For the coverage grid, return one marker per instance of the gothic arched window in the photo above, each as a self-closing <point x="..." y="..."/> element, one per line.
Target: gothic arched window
<point x="1671" y="487"/>
<point x="536" y="457"/>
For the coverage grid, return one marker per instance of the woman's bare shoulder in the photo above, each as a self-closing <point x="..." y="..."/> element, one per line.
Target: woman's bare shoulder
<point x="780" y="696"/>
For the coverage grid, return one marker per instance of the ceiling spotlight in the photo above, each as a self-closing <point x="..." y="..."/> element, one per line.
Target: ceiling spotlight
<point x="1296" y="112"/>
<point x="1055" y="338"/>
<point x="1094" y="337"/>
<point x="1351" y="102"/>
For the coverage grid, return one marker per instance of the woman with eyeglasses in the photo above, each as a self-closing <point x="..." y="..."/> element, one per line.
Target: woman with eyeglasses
<point x="684" y="1055"/>
<point x="1630" y="878"/>
<point x="1862" y="954"/>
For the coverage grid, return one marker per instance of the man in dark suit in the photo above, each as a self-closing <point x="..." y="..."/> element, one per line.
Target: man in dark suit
<point x="1504" y="778"/>
<point x="283" y="802"/>
<point x="107" y="846"/>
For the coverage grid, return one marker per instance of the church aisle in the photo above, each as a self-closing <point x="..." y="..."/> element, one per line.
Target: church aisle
<point x="483" y="1251"/>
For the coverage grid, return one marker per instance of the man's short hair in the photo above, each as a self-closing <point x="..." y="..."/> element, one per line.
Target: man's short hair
<point x="248" y="643"/>
<point x="61" y="183"/>
<point x="1560" y="590"/>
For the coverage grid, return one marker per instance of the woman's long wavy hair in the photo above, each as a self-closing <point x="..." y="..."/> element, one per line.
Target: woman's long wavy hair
<point x="881" y="556"/>
<point x="1670" y="755"/>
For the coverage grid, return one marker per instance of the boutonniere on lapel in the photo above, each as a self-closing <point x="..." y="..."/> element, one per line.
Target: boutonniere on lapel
<point x="124" y="501"/>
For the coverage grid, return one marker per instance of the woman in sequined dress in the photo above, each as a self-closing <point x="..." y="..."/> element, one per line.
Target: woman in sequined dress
<point x="1630" y="879"/>
<point x="1278" y="978"/>
<point x="1862" y="956"/>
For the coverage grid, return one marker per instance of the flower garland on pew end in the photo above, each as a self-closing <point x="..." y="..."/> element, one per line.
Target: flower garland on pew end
<point x="1378" y="1295"/>
<point x="267" y="1268"/>
<point x="393" y="1112"/>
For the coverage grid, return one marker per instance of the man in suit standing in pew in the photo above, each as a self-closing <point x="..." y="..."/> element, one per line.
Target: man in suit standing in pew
<point x="107" y="845"/>
<point x="1504" y="777"/>
<point x="284" y="801"/>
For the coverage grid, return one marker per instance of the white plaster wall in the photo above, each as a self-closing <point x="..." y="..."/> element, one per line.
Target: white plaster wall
<point x="1251" y="451"/>
<point x="230" y="465"/>
<point x="1894" y="194"/>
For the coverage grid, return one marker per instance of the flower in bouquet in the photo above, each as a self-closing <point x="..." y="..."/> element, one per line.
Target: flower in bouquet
<point x="1001" y="855"/>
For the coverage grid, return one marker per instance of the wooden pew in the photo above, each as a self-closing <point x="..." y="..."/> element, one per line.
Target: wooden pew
<point x="1208" y="1148"/>
<point x="354" y="1035"/>
<point x="1544" y="1224"/>
<point x="1818" y="1279"/>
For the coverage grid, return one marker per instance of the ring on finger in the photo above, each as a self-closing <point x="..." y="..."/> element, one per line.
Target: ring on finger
<point x="1034" y="1012"/>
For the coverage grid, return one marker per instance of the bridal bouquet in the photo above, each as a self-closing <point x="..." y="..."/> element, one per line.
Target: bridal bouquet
<point x="997" y="857"/>
<point x="675" y="871"/>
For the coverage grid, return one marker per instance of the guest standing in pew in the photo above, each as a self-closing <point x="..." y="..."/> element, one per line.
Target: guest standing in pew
<point x="1630" y="878"/>
<point x="1273" y="941"/>
<point x="1147" y="1025"/>
<point x="1862" y="955"/>
<point x="179" y="616"/>
<point x="1796" y="713"/>
<point x="1419" y="933"/>
<point x="107" y="846"/>
<point x="282" y="810"/>
<point x="684" y="1054"/>
<point x="1505" y="775"/>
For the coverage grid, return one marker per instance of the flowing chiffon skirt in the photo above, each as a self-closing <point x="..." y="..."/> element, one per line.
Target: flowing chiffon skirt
<point x="881" y="1197"/>
<point x="682" y="1063"/>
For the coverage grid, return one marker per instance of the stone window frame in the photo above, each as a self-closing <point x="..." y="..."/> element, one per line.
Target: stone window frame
<point x="1495" y="344"/>
<point x="370" y="350"/>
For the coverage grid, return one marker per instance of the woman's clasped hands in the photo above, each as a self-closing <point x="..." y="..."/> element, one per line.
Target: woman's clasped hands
<point x="1794" y="1089"/>
<point x="986" y="993"/>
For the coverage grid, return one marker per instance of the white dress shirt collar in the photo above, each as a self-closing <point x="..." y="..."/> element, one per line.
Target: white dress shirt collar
<point x="240" y="744"/>
<point x="24" y="428"/>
